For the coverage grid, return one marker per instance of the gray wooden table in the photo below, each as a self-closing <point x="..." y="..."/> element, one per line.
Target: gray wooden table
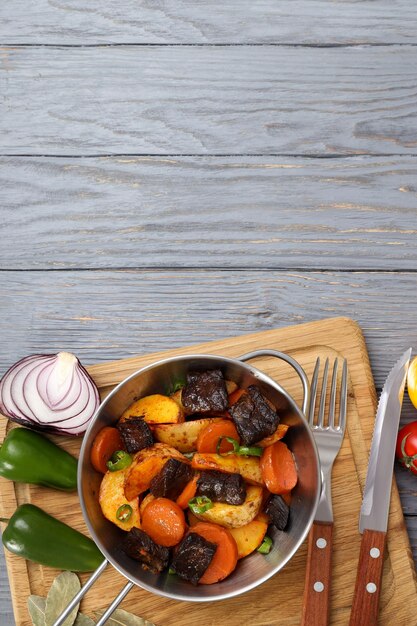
<point x="178" y="171"/>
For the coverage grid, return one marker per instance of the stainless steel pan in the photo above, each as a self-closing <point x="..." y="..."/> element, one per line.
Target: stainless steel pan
<point x="250" y="572"/>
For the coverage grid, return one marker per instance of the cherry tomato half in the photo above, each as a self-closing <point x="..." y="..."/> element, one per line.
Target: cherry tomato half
<point x="406" y="450"/>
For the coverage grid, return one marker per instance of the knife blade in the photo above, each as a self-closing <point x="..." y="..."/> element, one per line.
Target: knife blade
<point x="373" y="518"/>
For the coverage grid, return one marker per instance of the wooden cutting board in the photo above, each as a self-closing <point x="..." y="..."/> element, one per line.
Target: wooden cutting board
<point x="278" y="601"/>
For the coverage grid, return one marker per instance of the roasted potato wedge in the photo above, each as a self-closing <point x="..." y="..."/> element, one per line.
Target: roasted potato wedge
<point x="155" y="409"/>
<point x="112" y="496"/>
<point x="248" y="538"/>
<point x="276" y="436"/>
<point x="182" y="436"/>
<point x="248" y="467"/>
<point x="231" y="386"/>
<point x="263" y="517"/>
<point x="232" y="515"/>
<point x="147" y="463"/>
<point x="139" y="478"/>
<point x="177" y="398"/>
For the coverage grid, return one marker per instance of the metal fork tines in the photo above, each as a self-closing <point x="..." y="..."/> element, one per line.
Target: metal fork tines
<point x="329" y="433"/>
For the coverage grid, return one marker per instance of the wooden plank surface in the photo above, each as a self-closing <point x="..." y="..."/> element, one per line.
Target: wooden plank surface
<point x="177" y="21"/>
<point x="250" y="213"/>
<point x="113" y="314"/>
<point x="328" y="338"/>
<point x="353" y="213"/>
<point x="208" y="100"/>
<point x="107" y="315"/>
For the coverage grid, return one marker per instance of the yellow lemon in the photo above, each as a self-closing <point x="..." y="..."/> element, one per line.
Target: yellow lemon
<point x="412" y="381"/>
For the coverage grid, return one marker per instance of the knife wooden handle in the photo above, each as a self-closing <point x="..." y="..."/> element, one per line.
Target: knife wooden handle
<point x="368" y="579"/>
<point x="316" y="601"/>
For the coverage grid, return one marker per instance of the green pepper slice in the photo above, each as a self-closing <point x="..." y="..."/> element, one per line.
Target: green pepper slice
<point x="119" y="460"/>
<point x="124" y="513"/>
<point x="250" y="451"/>
<point x="266" y="545"/>
<point x="200" y="504"/>
<point x="234" y="443"/>
<point x="237" y="449"/>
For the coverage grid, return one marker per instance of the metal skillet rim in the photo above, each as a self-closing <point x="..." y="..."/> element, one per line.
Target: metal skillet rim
<point x="257" y="374"/>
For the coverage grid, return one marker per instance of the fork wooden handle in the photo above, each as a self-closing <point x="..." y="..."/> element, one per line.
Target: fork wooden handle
<point x="368" y="579"/>
<point x="316" y="600"/>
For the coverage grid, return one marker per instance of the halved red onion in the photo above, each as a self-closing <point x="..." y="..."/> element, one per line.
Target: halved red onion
<point x="49" y="392"/>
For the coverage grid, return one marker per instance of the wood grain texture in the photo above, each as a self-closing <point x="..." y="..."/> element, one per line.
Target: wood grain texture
<point x="244" y="214"/>
<point x="185" y="21"/>
<point x="316" y="600"/>
<point x="233" y="212"/>
<point x="365" y="603"/>
<point x="327" y="338"/>
<point x="208" y="100"/>
<point x="108" y="315"/>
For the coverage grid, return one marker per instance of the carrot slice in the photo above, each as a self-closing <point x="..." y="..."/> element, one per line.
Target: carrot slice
<point x="235" y="395"/>
<point x="278" y="468"/>
<point x="107" y="441"/>
<point x="192" y="519"/>
<point x="225" y="558"/>
<point x="188" y="492"/>
<point x="208" y="439"/>
<point x="164" y="521"/>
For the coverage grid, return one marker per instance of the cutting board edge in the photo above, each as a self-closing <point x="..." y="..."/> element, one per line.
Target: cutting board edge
<point x="360" y="350"/>
<point x="128" y="364"/>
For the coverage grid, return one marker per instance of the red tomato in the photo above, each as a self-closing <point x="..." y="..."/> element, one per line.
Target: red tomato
<point x="406" y="450"/>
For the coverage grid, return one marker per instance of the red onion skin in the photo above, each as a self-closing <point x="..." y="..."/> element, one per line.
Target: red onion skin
<point x="59" y="427"/>
<point x="10" y="371"/>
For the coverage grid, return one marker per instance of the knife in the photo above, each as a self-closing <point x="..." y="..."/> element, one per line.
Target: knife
<point x="373" y="519"/>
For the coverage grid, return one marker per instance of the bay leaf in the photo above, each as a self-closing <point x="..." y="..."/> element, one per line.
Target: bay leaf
<point x="84" y="620"/>
<point x="62" y="591"/>
<point x="36" y="608"/>
<point x="123" y="618"/>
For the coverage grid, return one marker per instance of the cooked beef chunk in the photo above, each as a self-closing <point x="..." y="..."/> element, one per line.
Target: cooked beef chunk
<point x="253" y="417"/>
<point x="222" y="487"/>
<point x="135" y="433"/>
<point x="193" y="556"/>
<point x="205" y="392"/>
<point x="171" y="480"/>
<point x="278" y="511"/>
<point x="138" y="545"/>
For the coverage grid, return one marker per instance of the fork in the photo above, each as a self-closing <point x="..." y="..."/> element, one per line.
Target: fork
<point x="328" y="437"/>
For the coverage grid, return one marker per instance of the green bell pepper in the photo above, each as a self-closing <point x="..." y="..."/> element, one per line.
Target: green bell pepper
<point x="39" y="537"/>
<point x="28" y="457"/>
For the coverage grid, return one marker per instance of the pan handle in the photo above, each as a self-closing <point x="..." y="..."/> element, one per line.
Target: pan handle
<point x="122" y="594"/>
<point x="288" y="359"/>
<point x="90" y="582"/>
<point x="76" y="599"/>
